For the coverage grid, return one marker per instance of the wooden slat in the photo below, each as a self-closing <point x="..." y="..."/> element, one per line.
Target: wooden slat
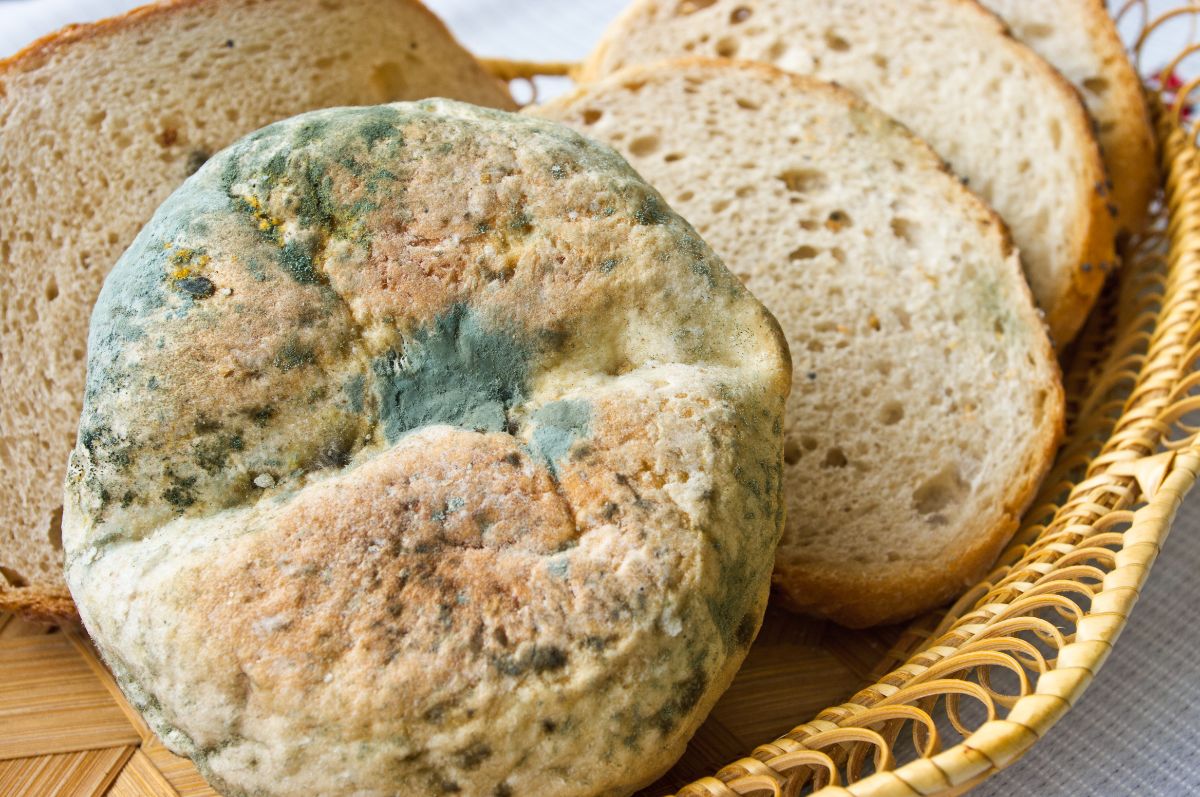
<point x="52" y="702"/>
<point x="86" y="773"/>
<point x="178" y="771"/>
<point x="779" y="687"/>
<point x="83" y="646"/>
<point x="140" y="778"/>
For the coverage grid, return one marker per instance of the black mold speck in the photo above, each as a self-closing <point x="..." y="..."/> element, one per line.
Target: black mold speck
<point x="310" y="131"/>
<point x="261" y="415"/>
<point x="521" y="222"/>
<point x="297" y="260"/>
<point x="687" y="695"/>
<point x="745" y="631"/>
<point x="293" y="355"/>
<point x="196" y="287"/>
<point x="473" y="755"/>
<point x="650" y="211"/>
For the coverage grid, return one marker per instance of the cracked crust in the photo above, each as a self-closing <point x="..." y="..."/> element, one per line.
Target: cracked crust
<point x="425" y="449"/>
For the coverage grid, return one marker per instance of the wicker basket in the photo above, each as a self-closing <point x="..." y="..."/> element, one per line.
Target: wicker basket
<point x="952" y="698"/>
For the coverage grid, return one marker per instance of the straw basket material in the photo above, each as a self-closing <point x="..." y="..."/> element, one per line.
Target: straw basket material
<point x="940" y="705"/>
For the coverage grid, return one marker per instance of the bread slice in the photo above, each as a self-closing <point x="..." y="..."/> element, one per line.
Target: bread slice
<point x="1080" y="39"/>
<point x="1003" y="118"/>
<point x="926" y="402"/>
<point x="98" y="124"/>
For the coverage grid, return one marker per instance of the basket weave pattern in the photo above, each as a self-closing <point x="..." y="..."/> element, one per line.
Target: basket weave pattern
<point x="959" y="695"/>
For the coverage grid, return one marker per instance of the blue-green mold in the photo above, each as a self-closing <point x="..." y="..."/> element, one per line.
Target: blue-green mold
<point x="557" y="426"/>
<point x="455" y="371"/>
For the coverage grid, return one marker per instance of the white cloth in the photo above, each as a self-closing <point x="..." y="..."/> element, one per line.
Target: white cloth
<point x="1135" y="731"/>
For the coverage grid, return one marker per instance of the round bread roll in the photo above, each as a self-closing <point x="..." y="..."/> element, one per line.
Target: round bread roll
<point x="424" y="450"/>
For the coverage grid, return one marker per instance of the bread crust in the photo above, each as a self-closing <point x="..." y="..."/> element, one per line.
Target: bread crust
<point x="1128" y="147"/>
<point x="442" y="445"/>
<point x="42" y="383"/>
<point x="34" y="54"/>
<point x="37" y="604"/>
<point x="877" y="592"/>
<point x="1092" y="230"/>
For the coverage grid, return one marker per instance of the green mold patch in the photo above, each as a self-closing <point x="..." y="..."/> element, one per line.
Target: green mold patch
<point x="557" y="426"/>
<point x="454" y="372"/>
<point x="651" y="211"/>
<point x="296" y="258"/>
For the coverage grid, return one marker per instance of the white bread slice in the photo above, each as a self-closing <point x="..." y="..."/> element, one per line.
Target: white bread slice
<point x="98" y="124"/>
<point x="1080" y="39"/>
<point x="947" y="69"/>
<point x="926" y="403"/>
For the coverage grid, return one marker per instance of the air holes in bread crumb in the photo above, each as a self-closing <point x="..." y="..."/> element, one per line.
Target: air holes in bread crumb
<point x="13" y="578"/>
<point x="720" y="205"/>
<point x="892" y="413"/>
<point x="835" y="42"/>
<point x="802" y="253"/>
<point x="1096" y="85"/>
<point x="776" y="50"/>
<point x="838" y="220"/>
<point x="591" y="116"/>
<point x="692" y="6"/>
<point x="54" y="529"/>
<point x="880" y="61"/>
<point x="939" y="492"/>
<point x="51" y="289"/>
<point x="791" y="451"/>
<point x="687" y="196"/>
<point x="633" y="86"/>
<point x="747" y="105"/>
<point x="903" y="229"/>
<point x="671" y="157"/>
<point x="727" y="47"/>
<point x="835" y="458"/>
<point x="744" y="191"/>
<point x="801" y="180"/>
<point x="644" y="145"/>
<point x="1056" y="133"/>
<point x="1036" y="31"/>
<point x="739" y="15"/>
